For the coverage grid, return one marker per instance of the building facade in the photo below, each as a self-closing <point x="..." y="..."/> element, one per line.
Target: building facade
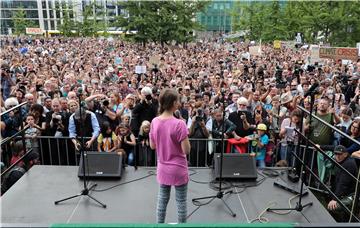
<point x="217" y="16"/>
<point x="48" y="14"/>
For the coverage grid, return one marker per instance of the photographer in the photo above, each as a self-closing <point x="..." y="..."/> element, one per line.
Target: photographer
<point x="55" y="120"/>
<point x="100" y="106"/>
<point x="145" y="110"/>
<point x="197" y="131"/>
<point x="242" y="118"/>
<point x="6" y="80"/>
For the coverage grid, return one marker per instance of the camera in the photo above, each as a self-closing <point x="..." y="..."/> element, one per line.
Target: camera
<point x="148" y="97"/>
<point x="199" y="115"/>
<point x="106" y="103"/>
<point x="280" y="83"/>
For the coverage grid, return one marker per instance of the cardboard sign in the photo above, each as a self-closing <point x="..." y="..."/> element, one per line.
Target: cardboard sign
<point x="255" y="50"/>
<point x="314" y="54"/>
<point x="358" y="47"/>
<point x="338" y="53"/>
<point x="118" y="60"/>
<point x="277" y="44"/>
<point x="154" y="60"/>
<point x="34" y="31"/>
<point x="140" y="69"/>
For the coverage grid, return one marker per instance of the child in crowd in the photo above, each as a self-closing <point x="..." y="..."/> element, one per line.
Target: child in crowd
<point x="31" y="133"/>
<point x="125" y="119"/>
<point x="126" y="141"/>
<point x="259" y="142"/>
<point x="107" y="140"/>
<point x="146" y="154"/>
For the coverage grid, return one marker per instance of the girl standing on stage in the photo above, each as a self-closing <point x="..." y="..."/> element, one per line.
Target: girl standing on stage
<point x="169" y="137"/>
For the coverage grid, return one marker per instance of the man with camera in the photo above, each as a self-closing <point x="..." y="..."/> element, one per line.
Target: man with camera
<point x="7" y="81"/>
<point x="242" y="118"/>
<point x="198" y="131"/>
<point x="55" y="120"/>
<point x="146" y="109"/>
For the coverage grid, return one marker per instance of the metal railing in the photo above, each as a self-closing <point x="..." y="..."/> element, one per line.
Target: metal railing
<point x="61" y="151"/>
<point x="313" y="171"/>
<point x="6" y="153"/>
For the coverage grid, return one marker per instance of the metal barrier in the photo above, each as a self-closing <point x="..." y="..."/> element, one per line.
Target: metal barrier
<point x="6" y="153"/>
<point x="61" y="151"/>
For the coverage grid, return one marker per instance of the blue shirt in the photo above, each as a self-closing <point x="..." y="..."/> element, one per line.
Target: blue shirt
<point x="94" y="123"/>
<point x="261" y="152"/>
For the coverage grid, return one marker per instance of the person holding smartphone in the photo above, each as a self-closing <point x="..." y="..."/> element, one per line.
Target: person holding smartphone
<point x="169" y="137"/>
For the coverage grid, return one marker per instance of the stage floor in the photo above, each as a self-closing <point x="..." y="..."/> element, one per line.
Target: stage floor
<point x="31" y="200"/>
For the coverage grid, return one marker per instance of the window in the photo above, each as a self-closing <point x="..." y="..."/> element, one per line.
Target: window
<point x="44" y="14"/>
<point x="7" y="13"/>
<point x="215" y="6"/>
<point x="32" y="14"/>
<point x="208" y="21"/>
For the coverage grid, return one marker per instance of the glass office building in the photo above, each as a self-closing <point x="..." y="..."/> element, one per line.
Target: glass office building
<point x="217" y="16"/>
<point x="48" y="14"/>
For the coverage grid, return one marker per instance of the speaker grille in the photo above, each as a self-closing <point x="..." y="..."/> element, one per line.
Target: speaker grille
<point x="236" y="166"/>
<point x="100" y="164"/>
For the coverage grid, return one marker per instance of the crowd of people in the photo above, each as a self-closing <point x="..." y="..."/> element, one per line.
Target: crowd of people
<point x="118" y="85"/>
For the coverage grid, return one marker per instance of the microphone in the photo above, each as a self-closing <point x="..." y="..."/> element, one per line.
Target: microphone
<point x="312" y="89"/>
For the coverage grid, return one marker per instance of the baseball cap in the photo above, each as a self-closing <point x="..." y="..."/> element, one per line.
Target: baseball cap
<point x="340" y="149"/>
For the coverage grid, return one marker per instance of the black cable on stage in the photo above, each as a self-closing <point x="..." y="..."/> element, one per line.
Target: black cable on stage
<point x="150" y="173"/>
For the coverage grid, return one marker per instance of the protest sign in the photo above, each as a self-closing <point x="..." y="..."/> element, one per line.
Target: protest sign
<point x="140" y="69"/>
<point x="154" y="60"/>
<point x="314" y="54"/>
<point x="277" y="44"/>
<point x="117" y="60"/>
<point x="255" y="50"/>
<point x="338" y="53"/>
<point x="34" y="31"/>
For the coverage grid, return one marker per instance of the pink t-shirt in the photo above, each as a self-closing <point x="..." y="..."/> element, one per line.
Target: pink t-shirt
<point x="167" y="135"/>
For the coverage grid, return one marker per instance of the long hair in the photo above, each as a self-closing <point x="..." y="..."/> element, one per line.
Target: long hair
<point x="167" y="98"/>
<point x="144" y="124"/>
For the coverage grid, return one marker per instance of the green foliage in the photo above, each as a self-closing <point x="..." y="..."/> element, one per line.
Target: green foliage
<point x="67" y="24"/>
<point x="160" y="21"/>
<point x="93" y="21"/>
<point x="20" y="22"/>
<point x="337" y="21"/>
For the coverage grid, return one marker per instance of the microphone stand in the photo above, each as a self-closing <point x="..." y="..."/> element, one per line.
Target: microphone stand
<point x="220" y="194"/>
<point x="86" y="190"/>
<point x="299" y="206"/>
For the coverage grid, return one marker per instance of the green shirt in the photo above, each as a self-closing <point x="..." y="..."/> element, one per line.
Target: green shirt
<point x="320" y="133"/>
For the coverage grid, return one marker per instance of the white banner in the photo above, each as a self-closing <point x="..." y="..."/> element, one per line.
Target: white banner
<point x="34" y="31"/>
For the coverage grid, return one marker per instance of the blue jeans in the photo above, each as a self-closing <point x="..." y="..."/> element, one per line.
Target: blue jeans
<point x="260" y="163"/>
<point x="285" y="154"/>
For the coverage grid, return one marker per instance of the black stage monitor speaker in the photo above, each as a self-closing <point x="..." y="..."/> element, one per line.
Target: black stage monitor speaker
<point x="236" y="166"/>
<point x="101" y="165"/>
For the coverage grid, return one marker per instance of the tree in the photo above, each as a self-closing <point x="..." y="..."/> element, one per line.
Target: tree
<point x="20" y="22"/>
<point x="336" y="21"/>
<point x="160" y="21"/>
<point x="67" y="23"/>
